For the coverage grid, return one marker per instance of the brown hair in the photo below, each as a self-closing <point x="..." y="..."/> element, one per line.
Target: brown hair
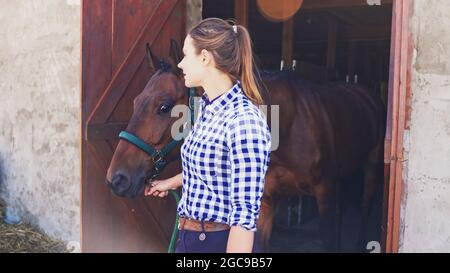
<point x="232" y="52"/>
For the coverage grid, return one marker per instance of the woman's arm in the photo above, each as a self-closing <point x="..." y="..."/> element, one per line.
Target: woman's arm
<point x="176" y="181"/>
<point x="249" y="145"/>
<point x="240" y="240"/>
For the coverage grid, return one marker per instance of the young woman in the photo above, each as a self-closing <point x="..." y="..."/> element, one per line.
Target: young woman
<point x="226" y="155"/>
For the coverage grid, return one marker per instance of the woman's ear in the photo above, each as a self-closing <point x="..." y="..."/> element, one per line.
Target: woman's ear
<point x="206" y="56"/>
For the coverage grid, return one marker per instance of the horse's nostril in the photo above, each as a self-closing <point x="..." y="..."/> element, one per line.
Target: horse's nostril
<point x="120" y="183"/>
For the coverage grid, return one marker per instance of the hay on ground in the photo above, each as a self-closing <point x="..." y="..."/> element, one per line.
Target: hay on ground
<point x="23" y="238"/>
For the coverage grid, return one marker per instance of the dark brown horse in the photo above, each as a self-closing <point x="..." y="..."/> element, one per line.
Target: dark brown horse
<point x="326" y="133"/>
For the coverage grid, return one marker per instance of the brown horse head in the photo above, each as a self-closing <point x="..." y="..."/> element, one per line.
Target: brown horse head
<point x="152" y="123"/>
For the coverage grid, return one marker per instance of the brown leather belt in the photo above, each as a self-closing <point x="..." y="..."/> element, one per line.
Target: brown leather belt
<point x="195" y="225"/>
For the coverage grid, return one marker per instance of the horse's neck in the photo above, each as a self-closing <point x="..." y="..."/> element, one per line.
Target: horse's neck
<point x="198" y="91"/>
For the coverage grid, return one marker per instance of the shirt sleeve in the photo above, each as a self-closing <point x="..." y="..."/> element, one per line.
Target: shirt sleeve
<point x="249" y="143"/>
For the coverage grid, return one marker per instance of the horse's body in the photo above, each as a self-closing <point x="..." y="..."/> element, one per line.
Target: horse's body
<point x="326" y="133"/>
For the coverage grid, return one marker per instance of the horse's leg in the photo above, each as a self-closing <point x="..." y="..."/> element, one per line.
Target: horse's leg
<point x="373" y="173"/>
<point x="326" y="203"/>
<point x="267" y="212"/>
<point x="276" y="175"/>
<point x="265" y="221"/>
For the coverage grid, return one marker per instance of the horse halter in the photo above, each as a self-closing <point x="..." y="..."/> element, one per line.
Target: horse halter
<point x="158" y="155"/>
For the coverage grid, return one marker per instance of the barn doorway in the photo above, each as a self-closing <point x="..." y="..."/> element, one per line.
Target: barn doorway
<point x="346" y="41"/>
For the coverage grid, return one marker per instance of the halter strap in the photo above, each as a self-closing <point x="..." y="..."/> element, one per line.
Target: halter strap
<point x="158" y="155"/>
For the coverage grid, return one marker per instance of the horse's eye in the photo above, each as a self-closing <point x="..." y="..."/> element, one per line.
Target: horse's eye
<point x="164" y="108"/>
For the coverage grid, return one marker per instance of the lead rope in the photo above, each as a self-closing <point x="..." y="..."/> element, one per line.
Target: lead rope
<point x="175" y="228"/>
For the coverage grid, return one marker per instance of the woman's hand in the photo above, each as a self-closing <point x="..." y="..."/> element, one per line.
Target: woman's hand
<point x="159" y="188"/>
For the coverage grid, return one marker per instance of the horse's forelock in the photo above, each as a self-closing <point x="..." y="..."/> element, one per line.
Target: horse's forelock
<point x="167" y="67"/>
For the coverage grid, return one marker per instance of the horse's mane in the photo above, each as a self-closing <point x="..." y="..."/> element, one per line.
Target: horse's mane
<point x="273" y="74"/>
<point x="289" y="76"/>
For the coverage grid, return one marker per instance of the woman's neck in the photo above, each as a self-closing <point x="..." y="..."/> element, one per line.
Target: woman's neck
<point x="217" y="84"/>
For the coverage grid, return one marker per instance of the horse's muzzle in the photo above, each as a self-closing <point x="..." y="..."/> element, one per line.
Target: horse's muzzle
<point x="120" y="184"/>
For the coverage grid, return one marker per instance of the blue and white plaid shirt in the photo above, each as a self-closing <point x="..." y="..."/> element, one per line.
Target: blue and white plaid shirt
<point x="225" y="158"/>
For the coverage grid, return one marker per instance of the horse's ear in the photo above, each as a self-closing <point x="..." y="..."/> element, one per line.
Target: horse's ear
<point x="175" y="56"/>
<point x="153" y="61"/>
<point x="175" y="52"/>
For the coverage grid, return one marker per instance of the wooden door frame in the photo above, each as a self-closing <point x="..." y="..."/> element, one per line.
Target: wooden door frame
<point x="399" y="114"/>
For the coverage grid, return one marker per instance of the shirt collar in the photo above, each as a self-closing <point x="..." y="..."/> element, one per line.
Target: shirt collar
<point x="208" y="102"/>
<point x="217" y="103"/>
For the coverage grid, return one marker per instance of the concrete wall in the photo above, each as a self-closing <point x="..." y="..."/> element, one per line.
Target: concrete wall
<point x="426" y="210"/>
<point x="40" y="113"/>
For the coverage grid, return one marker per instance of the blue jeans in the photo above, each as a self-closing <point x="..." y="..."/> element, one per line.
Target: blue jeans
<point x="215" y="242"/>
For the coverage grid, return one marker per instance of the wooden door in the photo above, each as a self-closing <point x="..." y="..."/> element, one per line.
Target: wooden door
<point x="114" y="71"/>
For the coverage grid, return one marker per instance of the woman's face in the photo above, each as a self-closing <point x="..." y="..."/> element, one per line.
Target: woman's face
<point x="192" y="65"/>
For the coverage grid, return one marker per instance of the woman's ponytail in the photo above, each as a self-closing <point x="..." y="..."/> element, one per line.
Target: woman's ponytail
<point x="247" y="69"/>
